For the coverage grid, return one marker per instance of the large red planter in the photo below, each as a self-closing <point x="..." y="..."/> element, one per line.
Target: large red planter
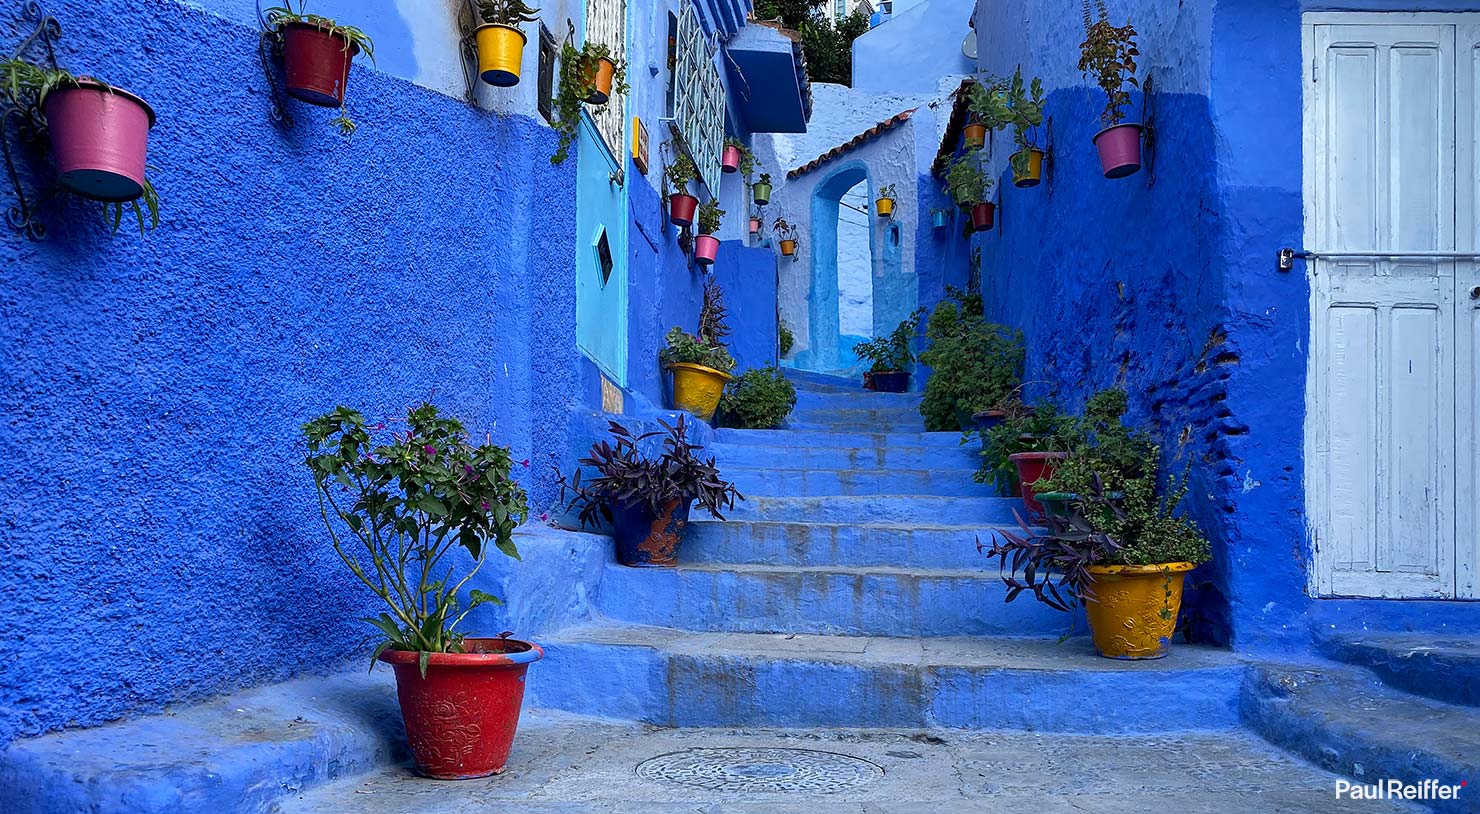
<point x="316" y="63"/>
<point x="730" y="161"/>
<point x="1031" y="467"/>
<point x="681" y="208"/>
<point x="1120" y="150"/>
<point x="706" y="247"/>
<point x="983" y="215"/>
<point x="99" y="140"/>
<point x="461" y="718"/>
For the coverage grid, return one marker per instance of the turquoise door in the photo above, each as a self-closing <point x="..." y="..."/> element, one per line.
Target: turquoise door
<point x="601" y="254"/>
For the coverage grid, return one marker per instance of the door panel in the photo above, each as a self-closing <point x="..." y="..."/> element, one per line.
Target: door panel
<point x="1467" y="285"/>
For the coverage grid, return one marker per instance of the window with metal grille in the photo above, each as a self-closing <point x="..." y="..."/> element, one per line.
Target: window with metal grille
<point x="549" y="52"/>
<point x="606" y="22"/>
<point x="699" y="99"/>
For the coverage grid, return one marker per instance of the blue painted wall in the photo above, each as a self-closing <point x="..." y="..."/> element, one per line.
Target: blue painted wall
<point x="916" y="47"/>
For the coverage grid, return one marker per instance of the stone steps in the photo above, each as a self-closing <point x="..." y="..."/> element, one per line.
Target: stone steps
<point x="823" y="544"/>
<point x="830" y="599"/>
<point x="821" y="456"/>
<point x="823" y="437"/>
<point x="1444" y="668"/>
<point x="812" y="482"/>
<point x="878" y="509"/>
<point x="809" y="400"/>
<point x="1344" y="719"/>
<point x="684" y="678"/>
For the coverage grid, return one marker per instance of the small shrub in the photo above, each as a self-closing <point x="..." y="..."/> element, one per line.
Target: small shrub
<point x="974" y="364"/>
<point x="784" y="338"/>
<point x="760" y="399"/>
<point x="895" y="350"/>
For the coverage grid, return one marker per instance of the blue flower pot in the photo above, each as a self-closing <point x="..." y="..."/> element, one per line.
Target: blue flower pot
<point x="938" y="219"/>
<point x="645" y="540"/>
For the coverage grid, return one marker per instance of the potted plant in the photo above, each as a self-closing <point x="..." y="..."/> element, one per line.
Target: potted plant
<point x="1024" y="431"/>
<point x="1025" y="106"/>
<point x="700" y="362"/>
<point x="646" y="499"/>
<point x="761" y="190"/>
<point x="1123" y="559"/>
<point x="787" y="235"/>
<point x="967" y="184"/>
<point x="706" y="246"/>
<point x="892" y="356"/>
<point x="884" y="204"/>
<point x="1102" y="452"/>
<point x="679" y="173"/>
<point x="737" y="158"/>
<point x="500" y="40"/>
<point x="940" y="218"/>
<point x="98" y="134"/>
<point x="784" y="339"/>
<point x="604" y="73"/>
<point x="755" y="222"/>
<point x="587" y="76"/>
<point x="973" y="134"/>
<point x="1108" y="55"/>
<point x="760" y="399"/>
<point x="317" y="52"/>
<point x="975" y="365"/>
<point x="397" y="505"/>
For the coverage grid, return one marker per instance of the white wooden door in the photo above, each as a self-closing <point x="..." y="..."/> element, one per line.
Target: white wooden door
<point x="1467" y="273"/>
<point x="1391" y="457"/>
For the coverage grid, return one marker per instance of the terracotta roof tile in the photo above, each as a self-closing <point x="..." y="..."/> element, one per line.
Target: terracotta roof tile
<point x="952" y="137"/>
<point x="867" y="135"/>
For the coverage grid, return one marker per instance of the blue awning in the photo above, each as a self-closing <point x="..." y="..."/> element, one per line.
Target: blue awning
<point x="768" y="79"/>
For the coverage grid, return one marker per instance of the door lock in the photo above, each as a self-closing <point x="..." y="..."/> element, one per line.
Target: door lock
<point x="1475" y="293"/>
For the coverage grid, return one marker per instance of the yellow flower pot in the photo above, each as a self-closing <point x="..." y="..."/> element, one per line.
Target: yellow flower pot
<point x="697" y="388"/>
<point x="974" y="135"/>
<point x="885" y="207"/>
<point x="599" y="81"/>
<point x="788" y="248"/>
<point x="1134" y="609"/>
<point x="500" y="54"/>
<point x="1032" y="172"/>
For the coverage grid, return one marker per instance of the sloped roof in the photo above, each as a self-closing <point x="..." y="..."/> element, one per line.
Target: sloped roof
<point x="866" y="136"/>
<point x="952" y="136"/>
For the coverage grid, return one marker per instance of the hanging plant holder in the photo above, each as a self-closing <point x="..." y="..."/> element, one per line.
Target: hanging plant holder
<point x="99" y="140"/>
<point x="316" y="63"/>
<point x="983" y="216"/>
<point x="500" y="54"/>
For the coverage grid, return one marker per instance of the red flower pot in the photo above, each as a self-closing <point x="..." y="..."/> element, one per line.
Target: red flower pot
<point x="755" y="225"/>
<point x="681" y="208"/>
<point x="316" y="63"/>
<point x="100" y="140"/>
<point x="705" y="249"/>
<point x="983" y="215"/>
<point x="1120" y="150"/>
<point x="1031" y="467"/>
<point x="730" y="160"/>
<point x="461" y="718"/>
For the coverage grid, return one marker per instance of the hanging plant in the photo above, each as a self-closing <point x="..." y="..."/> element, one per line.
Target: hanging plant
<point x="761" y="191"/>
<point x="706" y="246"/>
<point x="99" y="136"/>
<point x="967" y="184"/>
<point x="1025" y="109"/>
<point x="1108" y="55"/>
<point x="786" y="234"/>
<point x="500" y="40"/>
<point x="737" y="158"/>
<point x="677" y="176"/>
<point x="587" y="76"/>
<point x="885" y="201"/>
<point x="317" y="52"/>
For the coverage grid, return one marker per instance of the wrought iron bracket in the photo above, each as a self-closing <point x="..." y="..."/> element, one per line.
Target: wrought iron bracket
<point x="467" y="24"/>
<point x="22" y="120"/>
<point x="1148" y="129"/>
<point x="1048" y="159"/>
<point x="270" y="54"/>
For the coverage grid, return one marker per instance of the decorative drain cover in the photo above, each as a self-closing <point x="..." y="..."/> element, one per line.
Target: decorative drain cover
<point x="747" y="769"/>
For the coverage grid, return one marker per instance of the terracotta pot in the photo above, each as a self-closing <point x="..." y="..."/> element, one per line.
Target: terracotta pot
<point x="500" y="54"/>
<point x="983" y="215"/>
<point x="1032" y="467"/>
<point x="681" y="208"/>
<point x="755" y="225"/>
<point x="974" y="135"/>
<point x="706" y="247"/>
<point x="99" y="140"/>
<point x="316" y="63"/>
<point x="1120" y="150"/>
<point x="1133" y="612"/>
<point x="648" y="541"/>
<point x="461" y="718"/>
<point x="730" y="160"/>
<point x="788" y="248"/>
<point x="600" y="81"/>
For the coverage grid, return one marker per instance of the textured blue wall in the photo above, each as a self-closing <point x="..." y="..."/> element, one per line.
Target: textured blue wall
<point x="161" y="538"/>
<point x="914" y="49"/>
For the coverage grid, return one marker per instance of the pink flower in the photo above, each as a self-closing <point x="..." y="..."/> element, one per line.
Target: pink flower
<point x="485" y="505"/>
<point x="544" y="517"/>
<point x="524" y="463"/>
<point x="429" y="449"/>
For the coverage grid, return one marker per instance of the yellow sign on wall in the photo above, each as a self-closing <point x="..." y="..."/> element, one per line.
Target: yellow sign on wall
<point x="639" y="144"/>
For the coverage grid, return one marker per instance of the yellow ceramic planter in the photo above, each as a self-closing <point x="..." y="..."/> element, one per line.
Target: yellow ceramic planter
<point x="500" y="54"/>
<point x="1032" y="172"/>
<point x="1134" y="610"/>
<point x="697" y="388"/>
<point x="885" y="207"/>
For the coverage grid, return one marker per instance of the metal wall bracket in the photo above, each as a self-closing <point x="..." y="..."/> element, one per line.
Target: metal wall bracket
<point x="270" y="54"/>
<point x="467" y="23"/>
<point x="22" y="119"/>
<point x="1148" y="130"/>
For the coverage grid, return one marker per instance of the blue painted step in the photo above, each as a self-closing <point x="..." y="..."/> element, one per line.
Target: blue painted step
<point x="854" y="601"/>
<point x="906" y="419"/>
<point x="840" y="544"/>
<point x="839" y="457"/>
<point x="758" y="482"/>
<point x="682" y="678"/>
<point x="808" y="400"/>
<point x="1343" y="719"/>
<point x="879" y="509"/>
<point x="838" y="438"/>
<point x="1445" y="669"/>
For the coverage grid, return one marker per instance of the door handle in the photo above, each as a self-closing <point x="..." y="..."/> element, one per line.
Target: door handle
<point x="1475" y="293"/>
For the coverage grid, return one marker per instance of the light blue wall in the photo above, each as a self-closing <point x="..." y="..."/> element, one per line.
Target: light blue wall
<point x="914" y="48"/>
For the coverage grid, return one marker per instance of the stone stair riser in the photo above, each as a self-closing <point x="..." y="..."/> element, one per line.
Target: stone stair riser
<point x="839" y="438"/>
<point x="799" y="544"/>
<point x="820" y="482"/>
<point x="808" y="400"/>
<point x="880" y="509"/>
<point x="856" y="458"/>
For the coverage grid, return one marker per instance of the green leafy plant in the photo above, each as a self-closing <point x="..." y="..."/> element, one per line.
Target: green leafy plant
<point x="747" y="158"/>
<point x="354" y="40"/>
<point x="1023" y="429"/>
<point x="895" y="350"/>
<point x="679" y="173"/>
<point x="784" y="229"/>
<point x="791" y="13"/>
<point x="396" y="508"/>
<point x="593" y="52"/>
<point x="25" y="86"/>
<point x="1108" y="55"/>
<point x="577" y="80"/>
<point x="507" y="12"/>
<point x="1102" y="449"/>
<point x="988" y="102"/>
<point x="765" y="178"/>
<point x="784" y="338"/>
<point x="1025" y="104"/>
<point x="887" y="191"/>
<point x="760" y="399"/>
<point x="705" y="346"/>
<point x="966" y="183"/>
<point x="710" y="217"/>
<point x="974" y="364"/>
<point x="827" y="45"/>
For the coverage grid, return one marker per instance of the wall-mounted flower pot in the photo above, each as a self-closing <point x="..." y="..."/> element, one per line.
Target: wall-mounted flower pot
<point x="1134" y="609"/>
<point x="99" y="140"/>
<point x="1032" y="467"/>
<point x="461" y="718"/>
<point x="1120" y="150"/>
<point x="730" y="160"/>
<point x="761" y="193"/>
<point x="647" y="541"/>
<point x="891" y="381"/>
<point x="885" y="207"/>
<point x="938" y="219"/>
<point x="500" y="54"/>
<point x="788" y="248"/>
<point x="706" y="247"/>
<point x="681" y="208"/>
<point x="316" y="63"/>
<point x="974" y="135"/>
<point x="697" y="388"/>
<point x="1032" y="169"/>
<point x="755" y="225"/>
<point x="599" y="80"/>
<point x="983" y="216"/>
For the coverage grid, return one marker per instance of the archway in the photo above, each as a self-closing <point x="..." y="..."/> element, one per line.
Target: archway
<point x="844" y="265"/>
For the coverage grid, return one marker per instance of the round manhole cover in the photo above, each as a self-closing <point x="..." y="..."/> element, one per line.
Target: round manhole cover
<point x="748" y="769"/>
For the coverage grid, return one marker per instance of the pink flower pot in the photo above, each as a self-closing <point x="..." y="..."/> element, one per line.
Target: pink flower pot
<point x="681" y="209"/>
<point x="100" y="140"/>
<point x="730" y="161"/>
<point x="1120" y="150"/>
<point x="983" y="215"/>
<point x="755" y="225"/>
<point x="705" y="249"/>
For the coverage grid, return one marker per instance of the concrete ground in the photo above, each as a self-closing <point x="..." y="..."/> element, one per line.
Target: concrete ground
<point x="564" y="764"/>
